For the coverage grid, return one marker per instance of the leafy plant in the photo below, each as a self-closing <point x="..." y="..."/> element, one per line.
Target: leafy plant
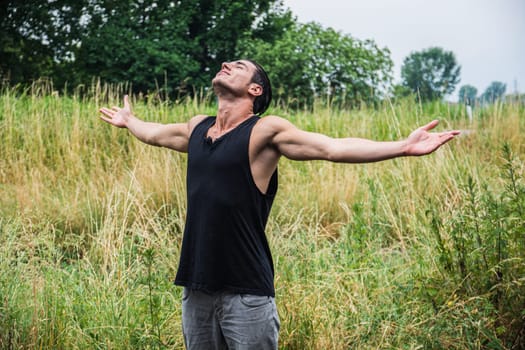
<point x="482" y="247"/>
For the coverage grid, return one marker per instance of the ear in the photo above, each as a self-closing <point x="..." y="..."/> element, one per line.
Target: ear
<point x="255" y="89"/>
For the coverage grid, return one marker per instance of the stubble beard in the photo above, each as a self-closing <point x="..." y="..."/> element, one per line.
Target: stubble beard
<point x="223" y="89"/>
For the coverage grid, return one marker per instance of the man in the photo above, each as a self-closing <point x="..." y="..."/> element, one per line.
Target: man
<point x="225" y="264"/>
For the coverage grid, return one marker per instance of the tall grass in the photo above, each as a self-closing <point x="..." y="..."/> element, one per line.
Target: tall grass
<point x="382" y="255"/>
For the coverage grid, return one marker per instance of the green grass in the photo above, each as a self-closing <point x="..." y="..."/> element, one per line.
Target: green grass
<point x="381" y="256"/>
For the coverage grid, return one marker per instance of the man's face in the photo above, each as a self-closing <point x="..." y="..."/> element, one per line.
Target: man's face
<point x="234" y="76"/>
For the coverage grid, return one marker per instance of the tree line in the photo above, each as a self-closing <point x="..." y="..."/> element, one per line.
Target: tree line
<point x="176" y="47"/>
<point x="468" y="94"/>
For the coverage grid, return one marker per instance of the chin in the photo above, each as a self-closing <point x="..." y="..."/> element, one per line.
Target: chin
<point x="217" y="81"/>
<point x="219" y="84"/>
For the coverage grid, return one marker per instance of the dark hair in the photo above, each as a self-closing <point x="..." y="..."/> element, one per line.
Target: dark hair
<point x="262" y="102"/>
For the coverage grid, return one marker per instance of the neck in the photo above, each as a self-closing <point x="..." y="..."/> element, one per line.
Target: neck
<point x="232" y="112"/>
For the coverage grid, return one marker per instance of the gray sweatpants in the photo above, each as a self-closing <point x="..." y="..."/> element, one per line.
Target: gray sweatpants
<point x="229" y="321"/>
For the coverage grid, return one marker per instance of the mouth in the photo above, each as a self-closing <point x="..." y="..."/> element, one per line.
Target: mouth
<point x="223" y="72"/>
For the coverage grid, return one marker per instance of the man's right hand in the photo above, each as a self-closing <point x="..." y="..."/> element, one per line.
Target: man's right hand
<point x="175" y="136"/>
<point x="117" y="116"/>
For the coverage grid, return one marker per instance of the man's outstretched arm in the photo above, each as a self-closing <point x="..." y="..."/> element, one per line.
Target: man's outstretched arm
<point x="174" y="136"/>
<point x="297" y="144"/>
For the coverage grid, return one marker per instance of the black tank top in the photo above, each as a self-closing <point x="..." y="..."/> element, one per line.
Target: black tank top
<point x="224" y="247"/>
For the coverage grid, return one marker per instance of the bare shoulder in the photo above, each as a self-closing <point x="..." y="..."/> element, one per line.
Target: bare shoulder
<point x="196" y="120"/>
<point x="267" y="133"/>
<point x="275" y="121"/>
<point x="272" y="125"/>
<point x="193" y="122"/>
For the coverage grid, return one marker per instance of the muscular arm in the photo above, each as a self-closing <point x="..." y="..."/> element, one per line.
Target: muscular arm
<point x="174" y="136"/>
<point x="297" y="144"/>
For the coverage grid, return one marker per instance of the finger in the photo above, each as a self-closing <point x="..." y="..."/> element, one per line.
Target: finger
<point x="115" y="108"/>
<point x="431" y="125"/>
<point x="447" y="139"/>
<point x="106" y="111"/>
<point x="107" y="120"/>
<point x="126" y="102"/>
<point x="451" y="133"/>
<point x="448" y="136"/>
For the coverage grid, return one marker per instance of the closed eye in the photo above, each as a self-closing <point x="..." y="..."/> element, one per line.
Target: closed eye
<point x="240" y="64"/>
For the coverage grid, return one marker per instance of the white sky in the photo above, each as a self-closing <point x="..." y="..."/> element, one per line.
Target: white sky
<point x="486" y="36"/>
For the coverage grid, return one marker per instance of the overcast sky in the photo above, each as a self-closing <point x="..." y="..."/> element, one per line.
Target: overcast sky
<point x="487" y="36"/>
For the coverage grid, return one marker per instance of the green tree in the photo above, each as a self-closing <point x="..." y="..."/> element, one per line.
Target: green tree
<point x="495" y="91"/>
<point x="36" y="37"/>
<point x="145" y="42"/>
<point x="218" y="25"/>
<point x="141" y="42"/>
<point x="182" y="42"/>
<point x="467" y="94"/>
<point x="309" y="61"/>
<point x="431" y="73"/>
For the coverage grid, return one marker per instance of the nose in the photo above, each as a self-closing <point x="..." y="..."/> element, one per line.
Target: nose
<point x="226" y="65"/>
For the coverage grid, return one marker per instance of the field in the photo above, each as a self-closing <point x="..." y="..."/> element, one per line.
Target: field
<point x="411" y="253"/>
